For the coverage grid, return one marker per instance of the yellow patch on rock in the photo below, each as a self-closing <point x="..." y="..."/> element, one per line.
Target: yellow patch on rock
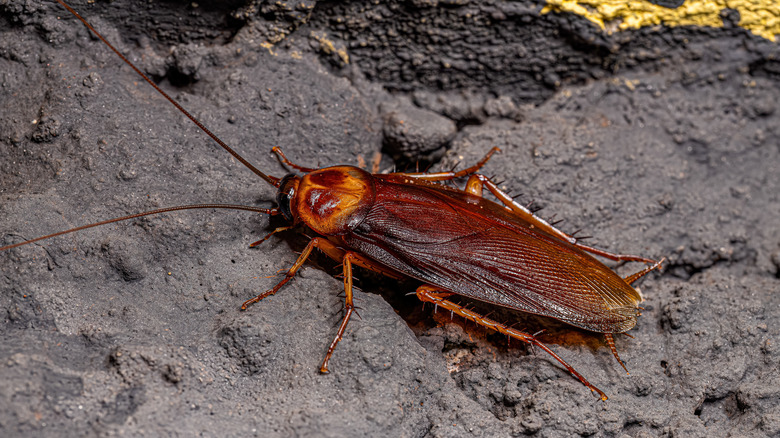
<point x="761" y="17"/>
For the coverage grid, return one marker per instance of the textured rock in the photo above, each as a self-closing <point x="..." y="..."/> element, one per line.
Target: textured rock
<point x="660" y="142"/>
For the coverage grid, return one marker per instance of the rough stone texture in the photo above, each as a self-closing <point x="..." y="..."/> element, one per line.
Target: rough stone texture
<point x="411" y="133"/>
<point x="660" y="142"/>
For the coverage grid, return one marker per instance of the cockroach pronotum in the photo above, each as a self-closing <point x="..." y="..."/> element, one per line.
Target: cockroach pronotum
<point x="455" y="242"/>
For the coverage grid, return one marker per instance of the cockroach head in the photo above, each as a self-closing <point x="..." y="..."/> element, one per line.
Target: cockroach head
<point x="334" y="200"/>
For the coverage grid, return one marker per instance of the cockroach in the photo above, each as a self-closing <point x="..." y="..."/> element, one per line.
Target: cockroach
<point x="455" y="242"/>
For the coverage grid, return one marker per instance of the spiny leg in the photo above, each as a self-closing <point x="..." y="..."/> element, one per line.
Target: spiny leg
<point x="630" y="279"/>
<point x="611" y="343"/>
<point x="317" y="242"/>
<point x="278" y="151"/>
<point x="431" y="294"/>
<point x="278" y="230"/>
<point x="612" y="256"/>
<point x="348" y="259"/>
<point x="475" y="185"/>
<point x="349" y="308"/>
<point x="331" y="250"/>
<point x="636" y="276"/>
<point x="444" y="176"/>
<point x="366" y="263"/>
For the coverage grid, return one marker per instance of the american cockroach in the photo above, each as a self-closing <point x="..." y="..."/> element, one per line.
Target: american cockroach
<point x="455" y="242"/>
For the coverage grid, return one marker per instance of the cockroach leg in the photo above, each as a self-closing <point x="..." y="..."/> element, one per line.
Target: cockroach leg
<point x="630" y="279"/>
<point x="331" y="250"/>
<point x="338" y="254"/>
<point x="476" y="180"/>
<point x="431" y="294"/>
<point x="444" y="176"/>
<point x="349" y="308"/>
<point x="278" y="230"/>
<point x="278" y="151"/>
<point x="634" y="277"/>
<point x="611" y="343"/>
<point x="610" y="255"/>
<point x="317" y="242"/>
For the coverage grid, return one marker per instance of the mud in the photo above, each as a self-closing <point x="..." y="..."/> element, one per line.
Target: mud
<point x="660" y="142"/>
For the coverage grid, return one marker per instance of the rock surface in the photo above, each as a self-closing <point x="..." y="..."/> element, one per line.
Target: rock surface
<point x="658" y="142"/>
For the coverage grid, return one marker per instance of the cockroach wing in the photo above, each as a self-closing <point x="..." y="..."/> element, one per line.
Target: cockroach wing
<point x="478" y="249"/>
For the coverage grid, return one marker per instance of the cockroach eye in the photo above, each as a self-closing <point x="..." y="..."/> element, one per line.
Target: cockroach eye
<point x="285" y="194"/>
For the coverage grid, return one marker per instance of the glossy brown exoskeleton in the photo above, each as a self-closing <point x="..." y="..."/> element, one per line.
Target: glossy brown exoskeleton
<point x="457" y="243"/>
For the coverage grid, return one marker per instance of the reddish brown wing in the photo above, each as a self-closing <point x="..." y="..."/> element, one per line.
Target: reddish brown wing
<point x="478" y="249"/>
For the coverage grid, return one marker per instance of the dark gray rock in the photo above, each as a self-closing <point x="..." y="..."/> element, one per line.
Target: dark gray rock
<point x="659" y="142"/>
<point x="411" y="133"/>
